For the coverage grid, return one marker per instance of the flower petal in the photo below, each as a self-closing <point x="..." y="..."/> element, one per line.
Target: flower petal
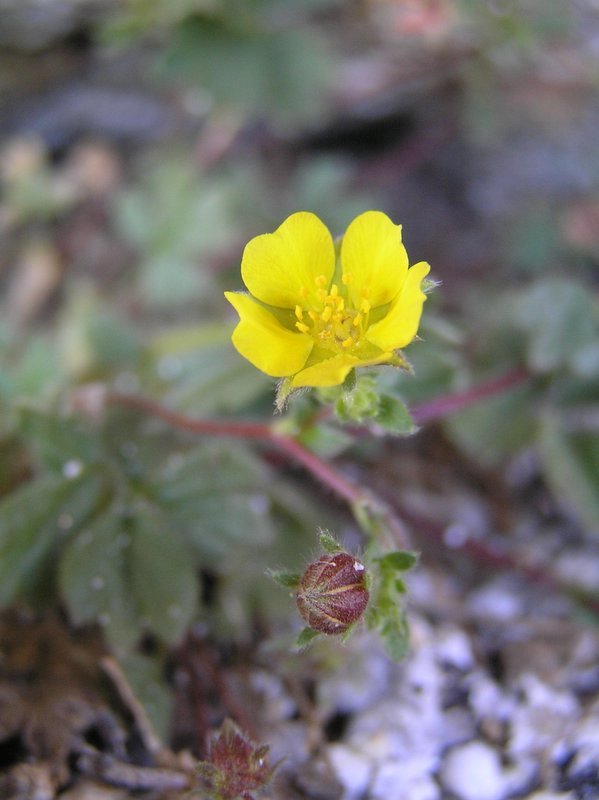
<point x="333" y="371"/>
<point x="277" y="266"/>
<point x="399" y="326"/>
<point x="373" y="259"/>
<point x="330" y="372"/>
<point x="265" y="343"/>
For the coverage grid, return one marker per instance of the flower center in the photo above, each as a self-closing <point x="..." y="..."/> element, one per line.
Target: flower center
<point x="329" y="317"/>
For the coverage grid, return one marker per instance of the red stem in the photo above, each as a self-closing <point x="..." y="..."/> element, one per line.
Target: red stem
<point x="354" y="495"/>
<point x="450" y="403"/>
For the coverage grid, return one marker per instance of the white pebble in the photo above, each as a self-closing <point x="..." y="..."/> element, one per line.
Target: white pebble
<point x="473" y="772"/>
<point x="496" y="601"/>
<point x="352" y="770"/>
<point x="454" y="649"/>
<point x="405" y="780"/>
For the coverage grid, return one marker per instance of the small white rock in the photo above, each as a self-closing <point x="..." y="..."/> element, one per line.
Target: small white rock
<point x="496" y="600"/>
<point x="405" y="780"/>
<point x="352" y="769"/>
<point x="454" y="649"/>
<point x="473" y="772"/>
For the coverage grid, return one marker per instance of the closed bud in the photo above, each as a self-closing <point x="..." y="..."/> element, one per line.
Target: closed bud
<point x="332" y="593"/>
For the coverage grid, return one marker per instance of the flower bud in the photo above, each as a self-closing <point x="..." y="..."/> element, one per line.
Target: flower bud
<point x="332" y="593"/>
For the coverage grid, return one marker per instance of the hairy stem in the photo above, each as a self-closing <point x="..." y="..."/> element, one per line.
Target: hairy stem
<point x="363" y="503"/>
<point x="456" y="401"/>
<point x="369" y="509"/>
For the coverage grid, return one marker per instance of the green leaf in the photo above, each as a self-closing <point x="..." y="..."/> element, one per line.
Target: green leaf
<point x="398" y="561"/>
<point x="328" y="542"/>
<point x="325" y="440"/>
<point x="213" y="379"/>
<point x="94" y="581"/>
<point x="216" y="526"/>
<point x="218" y="495"/>
<point x="571" y="464"/>
<point x="32" y="521"/>
<point x="163" y="579"/>
<point x="288" y="580"/>
<point x="305" y="637"/>
<point x="62" y="444"/>
<point x="386" y="612"/>
<point x="211" y="468"/>
<point x="349" y="384"/>
<point x="496" y="427"/>
<point x="249" y="68"/>
<point x="559" y="316"/>
<point x="357" y="405"/>
<point x="285" y="390"/>
<point x="395" y="634"/>
<point x="146" y="677"/>
<point x="394" y="416"/>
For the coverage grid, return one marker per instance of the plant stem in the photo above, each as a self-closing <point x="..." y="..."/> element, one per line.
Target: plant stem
<point x="361" y="501"/>
<point x="450" y="403"/>
<point x="364" y="503"/>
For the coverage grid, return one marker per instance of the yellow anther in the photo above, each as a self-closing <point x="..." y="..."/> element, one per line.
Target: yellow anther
<point x="337" y="317"/>
<point x="334" y="290"/>
<point x="340" y="304"/>
<point x="326" y="314"/>
<point x="321" y="281"/>
<point x="301" y="326"/>
<point x="299" y="313"/>
<point x="357" y="320"/>
<point x="324" y="334"/>
<point x="346" y="278"/>
<point x="364" y="306"/>
<point x="347" y="343"/>
<point x="313" y="315"/>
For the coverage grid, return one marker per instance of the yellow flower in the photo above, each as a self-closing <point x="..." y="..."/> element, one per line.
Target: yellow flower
<point x="315" y="311"/>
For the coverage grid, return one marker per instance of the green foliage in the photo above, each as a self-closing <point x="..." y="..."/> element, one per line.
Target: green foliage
<point x="160" y="219"/>
<point x="571" y="463"/>
<point x="288" y="580"/>
<point x="386" y="612"/>
<point x="145" y="675"/>
<point x="35" y="520"/>
<point x="552" y="327"/>
<point x="249" y="68"/>
<point x="121" y="534"/>
<point x="124" y="522"/>
<point x="305" y="638"/>
<point x="559" y="318"/>
<point x="363" y="402"/>
<point x="250" y="58"/>
<point x="328" y="542"/>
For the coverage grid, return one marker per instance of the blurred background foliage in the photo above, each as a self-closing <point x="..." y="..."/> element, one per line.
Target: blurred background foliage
<point x="143" y="143"/>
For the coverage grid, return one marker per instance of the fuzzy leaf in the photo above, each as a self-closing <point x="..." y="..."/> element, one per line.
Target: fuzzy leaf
<point x="146" y="677"/>
<point x="305" y="637"/>
<point x="33" y="519"/>
<point x="328" y="542"/>
<point x="163" y="579"/>
<point x="61" y="444"/>
<point x="558" y="315"/>
<point x="571" y="463"/>
<point x="288" y="580"/>
<point x="394" y="416"/>
<point x="94" y="582"/>
<point x="398" y="561"/>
